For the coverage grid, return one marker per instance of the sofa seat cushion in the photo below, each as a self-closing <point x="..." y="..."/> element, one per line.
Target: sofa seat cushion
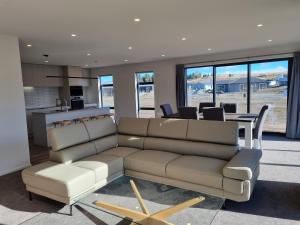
<point x="59" y="179"/>
<point x="103" y="165"/>
<point x="149" y="161"/>
<point x="121" y="151"/>
<point x="198" y="170"/>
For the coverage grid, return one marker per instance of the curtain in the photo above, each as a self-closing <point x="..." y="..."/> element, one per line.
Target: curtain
<point x="293" y="116"/>
<point x="180" y="85"/>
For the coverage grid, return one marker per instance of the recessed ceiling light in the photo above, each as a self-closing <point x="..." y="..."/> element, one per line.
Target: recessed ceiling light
<point x="270" y="40"/>
<point x="125" y="60"/>
<point x="29" y="45"/>
<point x="137" y="20"/>
<point x="209" y="49"/>
<point x="88" y="54"/>
<point x="183" y="38"/>
<point x="46" y="61"/>
<point x="163" y="55"/>
<point x="259" y="25"/>
<point x="130" y="47"/>
<point x="73" y="35"/>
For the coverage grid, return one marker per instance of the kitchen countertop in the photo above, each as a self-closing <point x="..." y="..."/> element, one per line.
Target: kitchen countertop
<point x="59" y="111"/>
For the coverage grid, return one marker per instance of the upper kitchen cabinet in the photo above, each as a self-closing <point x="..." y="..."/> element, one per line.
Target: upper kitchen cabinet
<point x="35" y="75"/>
<point x="76" y="71"/>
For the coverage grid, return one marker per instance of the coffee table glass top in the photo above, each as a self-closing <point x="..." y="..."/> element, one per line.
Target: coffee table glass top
<point x="156" y="197"/>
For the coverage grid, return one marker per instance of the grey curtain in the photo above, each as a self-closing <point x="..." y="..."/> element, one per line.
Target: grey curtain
<point x="180" y="85"/>
<point x="293" y="117"/>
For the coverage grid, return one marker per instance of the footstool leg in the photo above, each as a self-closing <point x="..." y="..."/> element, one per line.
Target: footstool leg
<point x="71" y="210"/>
<point x="224" y="205"/>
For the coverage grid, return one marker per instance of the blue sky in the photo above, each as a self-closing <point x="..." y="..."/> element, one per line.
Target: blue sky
<point x="106" y="79"/>
<point x="279" y="66"/>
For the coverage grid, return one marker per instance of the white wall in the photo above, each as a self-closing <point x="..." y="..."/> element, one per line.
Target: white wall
<point x="165" y="83"/>
<point x="14" y="150"/>
<point x="125" y="88"/>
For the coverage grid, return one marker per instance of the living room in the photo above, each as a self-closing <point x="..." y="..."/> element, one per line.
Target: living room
<point x="149" y="112"/>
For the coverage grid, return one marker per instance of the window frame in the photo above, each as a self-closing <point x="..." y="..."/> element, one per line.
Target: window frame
<point x="138" y="93"/>
<point x="100" y="88"/>
<point x="248" y="63"/>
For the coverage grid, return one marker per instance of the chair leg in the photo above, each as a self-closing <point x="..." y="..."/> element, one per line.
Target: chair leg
<point x="260" y="142"/>
<point x="30" y="196"/>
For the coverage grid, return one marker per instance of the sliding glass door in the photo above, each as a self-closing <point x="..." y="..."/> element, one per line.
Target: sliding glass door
<point x="269" y="85"/>
<point x="231" y="85"/>
<point x="250" y="85"/>
<point x="199" y="85"/>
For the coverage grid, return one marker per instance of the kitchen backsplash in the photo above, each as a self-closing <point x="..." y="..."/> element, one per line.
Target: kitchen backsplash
<point x="40" y="97"/>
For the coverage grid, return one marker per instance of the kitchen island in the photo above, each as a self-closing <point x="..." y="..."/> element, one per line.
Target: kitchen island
<point x="43" y="121"/>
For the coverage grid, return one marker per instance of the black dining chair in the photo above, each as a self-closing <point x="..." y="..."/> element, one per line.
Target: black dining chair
<point x="203" y="105"/>
<point x="188" y="113"/>
<point x="229" y="107"/>
<point x="216" y="113"/>
<point x="168" y="112"/>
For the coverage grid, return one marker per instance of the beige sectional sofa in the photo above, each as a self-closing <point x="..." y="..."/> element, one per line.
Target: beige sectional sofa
<point x="199" y="155"/>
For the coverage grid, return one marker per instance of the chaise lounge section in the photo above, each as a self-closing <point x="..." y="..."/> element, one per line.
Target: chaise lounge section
<point x="202" y="156"/>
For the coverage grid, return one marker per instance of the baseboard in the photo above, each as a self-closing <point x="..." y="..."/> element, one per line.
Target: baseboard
<point x="11" y="170"/>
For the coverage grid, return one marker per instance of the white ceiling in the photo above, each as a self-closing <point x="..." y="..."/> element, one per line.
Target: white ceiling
<point x="105" y="28"/>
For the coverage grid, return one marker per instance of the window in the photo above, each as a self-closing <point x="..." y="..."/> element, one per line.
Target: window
<point x="199" y="85"/>
<point x="269" y="85"/>
<point x="231" y="85"/>
<point x="145" y="94"/>
<point x="106" y="91"/>
<point x="250" y="85"/>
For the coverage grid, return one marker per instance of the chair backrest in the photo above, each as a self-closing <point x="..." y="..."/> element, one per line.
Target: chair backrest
<point x="188" y="113"/>
<point x="260" y="122"/>
<point x="214" y="114"/>
<point x="167" y="109"/>
<point x="229" y="107"/>
<point x="205" y="105"/>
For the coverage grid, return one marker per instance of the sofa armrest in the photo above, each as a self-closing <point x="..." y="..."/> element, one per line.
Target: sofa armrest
<point x="243" y="164"/>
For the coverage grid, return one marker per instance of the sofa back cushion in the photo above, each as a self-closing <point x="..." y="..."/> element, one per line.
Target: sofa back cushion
<point x="218" y="132"/>
<point x="133" y="126"/>
<point x="73" y="153"/>
<point x="132" y="132"/>
<point x="105" y="143"/>
<point x="67" y="136"/>
<point x="168" y="128"/>
<point x="131" y="141"/>
<point x="100" y="128"/>
<point x="184" y="147"/>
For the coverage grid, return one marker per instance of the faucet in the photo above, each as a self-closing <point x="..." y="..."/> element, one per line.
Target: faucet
<point x="60" y="102"/>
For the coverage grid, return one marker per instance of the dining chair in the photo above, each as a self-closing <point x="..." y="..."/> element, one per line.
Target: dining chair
<point x="205" y="105"/>
<point x="229" y="107"/>
<point x="258" y="129"/>
<point x="168" y="112"/>
<point x="216" y="113"/>
<point x="188" y="113"/>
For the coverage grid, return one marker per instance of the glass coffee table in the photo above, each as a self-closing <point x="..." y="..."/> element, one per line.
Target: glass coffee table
<point x="156" y="199"/>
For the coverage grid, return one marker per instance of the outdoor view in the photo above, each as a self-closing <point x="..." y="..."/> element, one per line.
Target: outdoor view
<point x="199" y="85"/>
<point x="231" y="86"/>
<point x="269" y="82"/>
<point x="271" y="89"/>
<point x="106" y="91"/>
<point x="145" y="91"/>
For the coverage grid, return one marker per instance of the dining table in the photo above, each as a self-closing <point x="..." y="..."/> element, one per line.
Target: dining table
<point x="244" y="120"/>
